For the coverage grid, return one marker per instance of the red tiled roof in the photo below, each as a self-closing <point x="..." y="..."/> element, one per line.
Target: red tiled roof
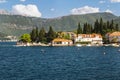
<point x="90" y="35"/>
<point x="61" y="40"/>
<point x="114" y="34"/>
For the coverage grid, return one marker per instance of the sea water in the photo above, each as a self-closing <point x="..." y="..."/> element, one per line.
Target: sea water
<point x="59" y="63"/>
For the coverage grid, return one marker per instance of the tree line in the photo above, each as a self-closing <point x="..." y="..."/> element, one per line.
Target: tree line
<point x="99" y="27"/>
<point x="42" y="36"/>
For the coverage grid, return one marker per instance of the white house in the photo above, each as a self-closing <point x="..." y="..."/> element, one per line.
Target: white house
<point x="91" y="38"/>
<point x="62" y="42"/>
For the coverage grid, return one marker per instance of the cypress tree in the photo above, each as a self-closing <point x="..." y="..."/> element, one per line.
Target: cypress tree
<point x="112" y="25"/>
<point x="37" y="35"/>
<point x="85" y="28"/>
<point x="96" y="26"/>
<point x="101" y="25"/>
<point x="108" y="25"/>
<point x="42" y="35"/>
<point x="116" y="27"/>
<point x="51" y="34"/>
<point x="33" y="35"/>
<point x="79" y="30"/>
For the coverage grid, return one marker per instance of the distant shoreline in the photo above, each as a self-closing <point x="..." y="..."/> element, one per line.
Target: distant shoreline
<point x="8" y="40"/>
<point x="77" y="45"/>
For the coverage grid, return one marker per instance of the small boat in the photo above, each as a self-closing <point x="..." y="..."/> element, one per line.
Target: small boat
<point x="115" y="45"/>
<point x="88" y="45"/>
<point x="78" y="45"/>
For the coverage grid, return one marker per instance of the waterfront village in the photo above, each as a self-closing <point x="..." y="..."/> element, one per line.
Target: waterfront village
<point x="80" y="40"/>
<point x="102" y="33"/>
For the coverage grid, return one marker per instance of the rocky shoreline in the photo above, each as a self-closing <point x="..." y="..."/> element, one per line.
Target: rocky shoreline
<point x="78" y="45"/>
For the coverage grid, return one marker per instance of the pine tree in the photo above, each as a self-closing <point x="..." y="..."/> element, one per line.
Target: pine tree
<point x="79" y="30"/>
<point x="112" y="25"/>
<point x="96" y="26"/>
<point x="33" y="35"/>
<point x="108" y="25"/>
<point x="51" y="34"/>
<point x="101" y="25"/>
<point x="37" y="35"/>
<point x="116" y="27"/>
<point x="85" y="28"/>
<point x="42" y="35"/>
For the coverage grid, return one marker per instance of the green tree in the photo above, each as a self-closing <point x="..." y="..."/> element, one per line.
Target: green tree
<point x="101" y="26"/>
<point x="79" y="30"/>
<point x="66" y="36"/>
<point x="108" y="25"/>
<point x="42" y="35"/>
<point x="87" y="28"/>
<point x="25" y="38"/>
<point x="96" y="26"/>
<point x="116" y="27"/>
<point x="51" y="34"/>
<point x="112" y="25"/>
<point x="33" y="35"/>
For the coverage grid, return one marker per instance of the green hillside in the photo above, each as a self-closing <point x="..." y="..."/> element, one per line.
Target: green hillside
<point x="17" y="25"/>
<point x="117" y="21"/>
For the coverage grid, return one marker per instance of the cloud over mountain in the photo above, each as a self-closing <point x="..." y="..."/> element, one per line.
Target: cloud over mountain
<point x="26" y="10"/>
<point x="109" y="11"/>
<point x="84" y="10"/>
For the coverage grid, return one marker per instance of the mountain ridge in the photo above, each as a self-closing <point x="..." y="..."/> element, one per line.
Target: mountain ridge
<point x="17" y="25"/>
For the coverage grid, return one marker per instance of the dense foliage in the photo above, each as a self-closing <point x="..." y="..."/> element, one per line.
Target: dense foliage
<point x="25" y="38"/>
<point x="99" y="27"/>
<point x="42" y="36"/>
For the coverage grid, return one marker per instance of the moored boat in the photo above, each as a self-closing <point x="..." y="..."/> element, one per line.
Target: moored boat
<point x="78" y="45"/>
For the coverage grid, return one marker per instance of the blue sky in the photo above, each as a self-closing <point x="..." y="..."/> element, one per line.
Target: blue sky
<point x="57" y="8"/>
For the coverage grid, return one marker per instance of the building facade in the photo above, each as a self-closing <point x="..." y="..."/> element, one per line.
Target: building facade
<point x="91" y="38"/>
<point x="61" y="42"/>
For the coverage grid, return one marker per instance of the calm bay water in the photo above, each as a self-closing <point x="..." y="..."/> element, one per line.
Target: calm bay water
<point x="59" y="63"/>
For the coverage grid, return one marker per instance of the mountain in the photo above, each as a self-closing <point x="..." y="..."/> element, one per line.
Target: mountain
<point x="117" y="21"/>
<point x="17" y="25"/>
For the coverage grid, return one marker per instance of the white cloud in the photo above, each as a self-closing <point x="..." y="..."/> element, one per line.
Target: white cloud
<point x="52" y="9"/>
<point x="115" y="1"/>
<point x="26" y="10"/>
<point x="85" y="10"/>
<point x="108" y="11"/>
<point x="101" y="2"/>
<point x="23" y="0"/>
<point x="3" y="1"/>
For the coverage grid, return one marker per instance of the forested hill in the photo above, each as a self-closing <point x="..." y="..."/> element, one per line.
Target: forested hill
<point x="117" y="20"/>
<point x="17" y="25"/>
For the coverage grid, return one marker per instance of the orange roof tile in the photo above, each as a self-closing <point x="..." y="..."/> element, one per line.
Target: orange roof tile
<point x="90" y="35"/>
<point x="115" y="34"/>
<point x="62" y="40"/>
